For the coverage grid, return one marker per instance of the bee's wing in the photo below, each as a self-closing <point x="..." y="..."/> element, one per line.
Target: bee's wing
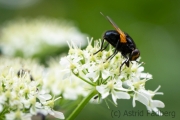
<point x="122" y="35"/>
<point x="114" y="25"/>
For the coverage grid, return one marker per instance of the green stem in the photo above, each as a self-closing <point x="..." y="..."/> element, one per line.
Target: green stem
<point x="83" y="79"/>
<point x="86" y="81"/>
<point x="80" y="106"/>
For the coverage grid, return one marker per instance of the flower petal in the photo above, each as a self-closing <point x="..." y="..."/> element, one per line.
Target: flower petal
<point x="44" y="97"/>
<point x="103" y="91"/>
<point x="146" y="75"/>
<point x="93" y="75"/>
<point x="134" y="100"/>
<point x="114" y="97"/>
<point x="158" y="103"/>
<point x="158" y="112"/>
<point x="57" y="114"/>
<point x="141" y="98"/>
<point x="105" y="74"/>
<point x="119" y="95"/>
<point x="122" y="95"/>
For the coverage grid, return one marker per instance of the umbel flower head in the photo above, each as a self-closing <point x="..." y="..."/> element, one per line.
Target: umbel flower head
<point x="31" y="37"/>
<point x="21" y="90"/>
<point x="105" y="77"/>
<point x="56" y="83"/>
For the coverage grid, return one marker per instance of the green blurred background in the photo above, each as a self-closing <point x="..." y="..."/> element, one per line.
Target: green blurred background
<point x="154" y="26"/>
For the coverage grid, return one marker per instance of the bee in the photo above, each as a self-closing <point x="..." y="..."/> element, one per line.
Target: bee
<point x="122" y="43"/>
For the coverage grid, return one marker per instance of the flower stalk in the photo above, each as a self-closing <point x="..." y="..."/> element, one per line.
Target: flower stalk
<point x="82" y="104"/>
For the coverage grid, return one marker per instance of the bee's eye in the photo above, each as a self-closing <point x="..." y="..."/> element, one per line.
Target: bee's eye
<point x="135" y="54"/>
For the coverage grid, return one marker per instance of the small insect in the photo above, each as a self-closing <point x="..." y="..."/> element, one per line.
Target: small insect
<point x="122" y="42"/>
<point x="22" y="72"/>
<point x="95" y="97"/>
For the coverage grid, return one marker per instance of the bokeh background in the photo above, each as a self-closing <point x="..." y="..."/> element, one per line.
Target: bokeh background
<point x="154" y="26"/>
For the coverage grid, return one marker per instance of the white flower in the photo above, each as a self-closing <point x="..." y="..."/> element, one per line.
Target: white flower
<point x="115" y="89"/>
<point x="61" y="81"/>
<point x="18" y="115"/>
<point x="46" y="108"/>
<point x="30" y="37"/>
<point x="145" y="97"/>
<point x="105" y="76"/>
<point x="94" y="71"/>
<point x="22" y="90"/>
<point x="57" y="114"/>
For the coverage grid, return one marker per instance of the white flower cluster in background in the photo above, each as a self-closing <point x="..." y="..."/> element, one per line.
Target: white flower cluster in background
<point x="106" y="78"/>
<point x="58" y="84"/>
<point x="30" y="36"/>
<point x="21" y="90"/>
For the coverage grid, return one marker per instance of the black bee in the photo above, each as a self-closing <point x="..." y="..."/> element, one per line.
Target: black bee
<point x="122" y="42"/>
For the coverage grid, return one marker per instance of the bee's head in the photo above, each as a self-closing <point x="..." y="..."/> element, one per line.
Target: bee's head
<point x="134" y="55"/>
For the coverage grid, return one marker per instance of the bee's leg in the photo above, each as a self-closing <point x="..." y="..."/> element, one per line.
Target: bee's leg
<point x="125" y="62"/>
<point x="115" y="51"/>
<point x="101" y="49"/>
<point x="111" y="56"/>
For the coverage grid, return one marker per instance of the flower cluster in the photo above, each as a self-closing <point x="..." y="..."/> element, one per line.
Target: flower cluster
<point x="21" y="90"/>
<point x="106" y="78"/>
<point x="57" y="84"/>
<point x="30" y="37"/>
